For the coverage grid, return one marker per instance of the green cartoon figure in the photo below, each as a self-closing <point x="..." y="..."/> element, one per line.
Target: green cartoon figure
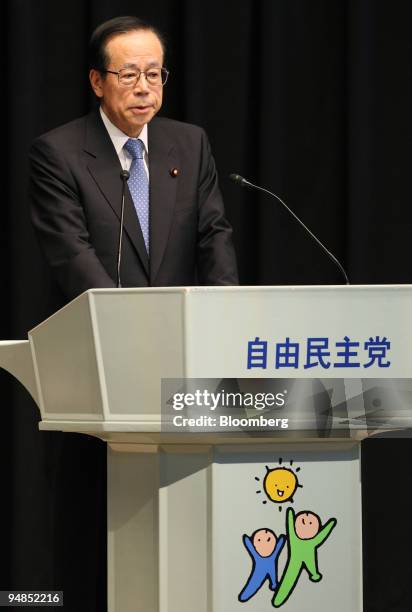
<point x="304" y="535"/>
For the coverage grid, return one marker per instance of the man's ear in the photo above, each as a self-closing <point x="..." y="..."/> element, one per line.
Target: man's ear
<point x="96" y="81"/>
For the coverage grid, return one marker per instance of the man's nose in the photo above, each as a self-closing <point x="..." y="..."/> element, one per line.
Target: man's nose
<point x="141" y="84"/>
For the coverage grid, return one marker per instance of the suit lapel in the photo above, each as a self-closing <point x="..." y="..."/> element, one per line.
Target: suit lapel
<point x="162" y="158"/>
<point x="105" y="167"/>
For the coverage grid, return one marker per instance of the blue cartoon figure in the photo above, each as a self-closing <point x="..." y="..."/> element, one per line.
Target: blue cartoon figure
<point x="264" y="549"/>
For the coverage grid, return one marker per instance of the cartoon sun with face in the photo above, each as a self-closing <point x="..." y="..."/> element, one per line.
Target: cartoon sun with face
<point x="280" y="483"/>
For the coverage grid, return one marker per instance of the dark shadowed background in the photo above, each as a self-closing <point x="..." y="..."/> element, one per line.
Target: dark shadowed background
<point x="310" y="98"/>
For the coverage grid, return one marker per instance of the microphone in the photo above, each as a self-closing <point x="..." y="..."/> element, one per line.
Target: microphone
<point x="124" y="176"/>
<point x="236" y="178"/>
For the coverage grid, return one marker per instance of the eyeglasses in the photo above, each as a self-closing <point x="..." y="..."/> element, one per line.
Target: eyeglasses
<point x="128" y="77"/>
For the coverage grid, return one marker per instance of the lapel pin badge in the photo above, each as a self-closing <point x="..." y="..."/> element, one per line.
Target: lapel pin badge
<point x="174" y="172"/>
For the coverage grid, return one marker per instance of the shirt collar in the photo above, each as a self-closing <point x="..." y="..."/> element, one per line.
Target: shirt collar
<point x="118" y="137"/>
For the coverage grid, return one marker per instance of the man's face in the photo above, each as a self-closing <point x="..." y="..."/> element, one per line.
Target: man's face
<point x="129" y="108"/>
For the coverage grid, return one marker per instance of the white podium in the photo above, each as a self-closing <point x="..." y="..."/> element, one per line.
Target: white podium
<point x="182" y="499"/>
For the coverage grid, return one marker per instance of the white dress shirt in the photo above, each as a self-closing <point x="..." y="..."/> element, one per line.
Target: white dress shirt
<point x="119" y="139"/>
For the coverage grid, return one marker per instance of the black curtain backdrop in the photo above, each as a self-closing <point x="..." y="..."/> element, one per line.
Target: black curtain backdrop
<point x="310" y="98"/>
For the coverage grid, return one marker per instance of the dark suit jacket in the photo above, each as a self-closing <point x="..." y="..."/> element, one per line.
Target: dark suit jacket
<point x="76" y="197"/>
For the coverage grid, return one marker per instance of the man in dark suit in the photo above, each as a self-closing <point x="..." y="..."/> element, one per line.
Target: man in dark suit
<point x="175" y="230"/>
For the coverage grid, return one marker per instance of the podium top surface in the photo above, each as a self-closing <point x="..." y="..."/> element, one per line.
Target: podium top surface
<point x="230" y="291"/>
<point x="257" y="288"/>
<point x="261" y="288"/>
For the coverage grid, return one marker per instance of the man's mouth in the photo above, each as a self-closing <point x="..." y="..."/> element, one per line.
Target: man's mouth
<point x="139" y="109"/>
<point x="280" y="492"/>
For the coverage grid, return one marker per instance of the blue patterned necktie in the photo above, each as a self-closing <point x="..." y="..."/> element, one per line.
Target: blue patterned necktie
<point x="139" y="185"/>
